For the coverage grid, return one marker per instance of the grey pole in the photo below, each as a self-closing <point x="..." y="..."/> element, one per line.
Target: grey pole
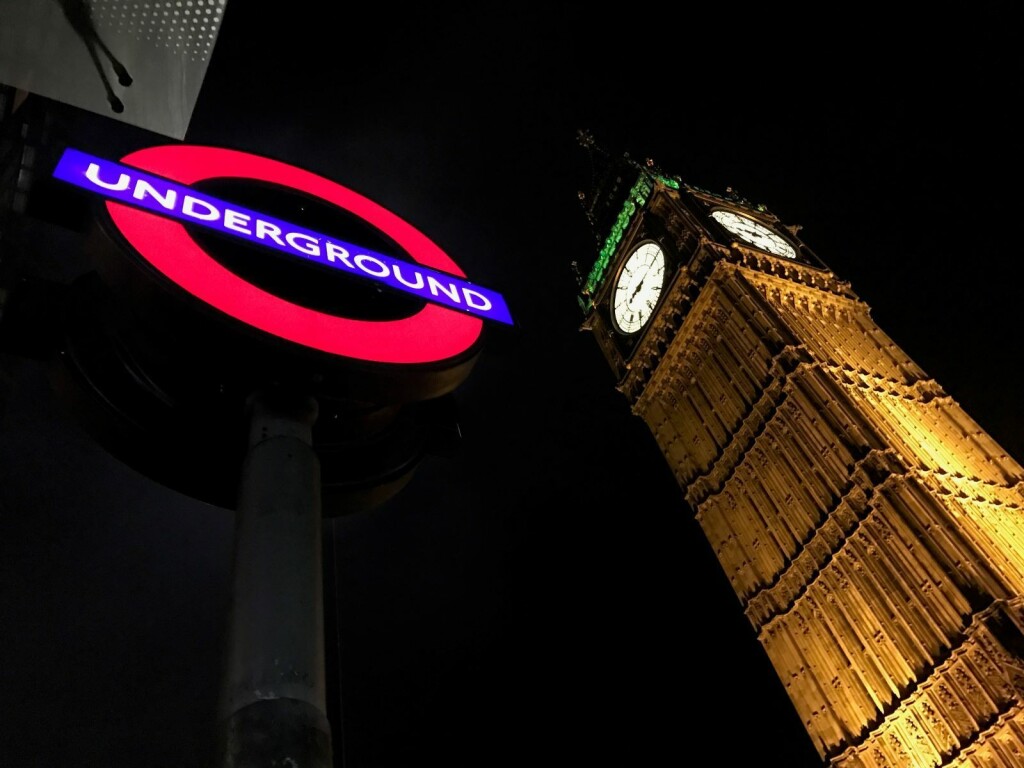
<point x="273" y="702"/>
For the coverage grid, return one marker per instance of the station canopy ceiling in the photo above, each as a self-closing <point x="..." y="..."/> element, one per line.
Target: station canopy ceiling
<point x="138" y="61"/>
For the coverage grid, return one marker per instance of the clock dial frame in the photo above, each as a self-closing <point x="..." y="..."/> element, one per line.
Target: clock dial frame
<point x="754" y="233"/>
<point x="638" y="288"/>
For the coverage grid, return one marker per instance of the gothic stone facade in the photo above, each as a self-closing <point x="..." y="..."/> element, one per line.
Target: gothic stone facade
<point x="872" y="531"/>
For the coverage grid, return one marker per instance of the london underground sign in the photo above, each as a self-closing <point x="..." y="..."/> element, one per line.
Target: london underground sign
<point x="150" y="198"/>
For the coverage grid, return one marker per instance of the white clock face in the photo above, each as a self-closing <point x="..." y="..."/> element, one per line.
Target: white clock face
<point x="755" y="233"/>
<point x="638" y="288"/>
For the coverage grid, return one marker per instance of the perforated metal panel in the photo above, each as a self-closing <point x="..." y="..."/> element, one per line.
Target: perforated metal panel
<point x="186" y="27"/>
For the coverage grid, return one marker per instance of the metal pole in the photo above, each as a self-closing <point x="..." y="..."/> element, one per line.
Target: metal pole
<point x="273" y="704"/>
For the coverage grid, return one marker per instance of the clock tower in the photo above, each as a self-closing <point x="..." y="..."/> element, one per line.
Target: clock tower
<point x="872" y="531"/>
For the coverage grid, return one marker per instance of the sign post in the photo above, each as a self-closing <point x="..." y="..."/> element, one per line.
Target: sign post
<point x="273" y="707"/>
<point x="219" y="302"/>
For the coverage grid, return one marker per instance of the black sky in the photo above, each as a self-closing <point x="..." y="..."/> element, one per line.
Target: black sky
<point x="541" y="596"/>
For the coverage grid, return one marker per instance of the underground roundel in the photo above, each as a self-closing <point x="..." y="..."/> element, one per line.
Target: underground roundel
<point x="150" y="198"/>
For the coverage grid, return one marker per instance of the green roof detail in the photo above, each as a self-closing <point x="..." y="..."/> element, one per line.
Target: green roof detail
<point x="637" y="198"/>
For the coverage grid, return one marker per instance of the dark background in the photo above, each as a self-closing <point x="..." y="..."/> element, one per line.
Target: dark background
<point x="541" y="595"/>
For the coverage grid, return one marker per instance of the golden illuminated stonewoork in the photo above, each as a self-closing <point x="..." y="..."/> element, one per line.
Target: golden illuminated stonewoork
<point x="872" y="531"/>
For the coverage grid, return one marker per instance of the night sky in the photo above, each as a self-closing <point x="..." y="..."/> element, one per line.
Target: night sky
<point x="539" y="594"/>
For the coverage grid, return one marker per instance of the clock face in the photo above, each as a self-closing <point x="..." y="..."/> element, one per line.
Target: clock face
<point x="638" y="288"/>
<point x="755" y="233"/>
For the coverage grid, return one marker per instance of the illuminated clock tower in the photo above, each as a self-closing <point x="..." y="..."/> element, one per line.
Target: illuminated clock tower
<point x="872" y="531"/>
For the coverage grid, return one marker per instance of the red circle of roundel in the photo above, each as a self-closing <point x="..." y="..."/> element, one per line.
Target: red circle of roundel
<point x="433" y="334"/>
